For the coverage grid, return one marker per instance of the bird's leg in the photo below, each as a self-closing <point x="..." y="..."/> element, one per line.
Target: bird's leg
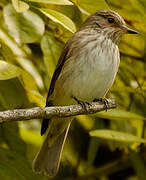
<point x="82" y="103"/>
<point x="103" y="100"/>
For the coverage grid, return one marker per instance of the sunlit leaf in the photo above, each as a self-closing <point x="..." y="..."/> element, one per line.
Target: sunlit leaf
<point x="31" y="137"/>
<point x="51" y="49"/>
<point x="36" y="97"/>
<point x="118" y="114"/>
<point x="59" y="18"/>
<point x="86" y="121"/>
<point x="29" y="66"/>
<point x="116" y="136"/>
<point x="59" y="2"/>
<point x="26" y="27"/>
<point x="8" y="71"/>
<point x="21" y="57"/>
<point x="31" y="89"/>
<point x="91" y="6"/>
<point x="20" y="6"/>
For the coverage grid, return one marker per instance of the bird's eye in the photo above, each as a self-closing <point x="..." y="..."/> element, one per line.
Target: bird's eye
<point x="111" y="20"/>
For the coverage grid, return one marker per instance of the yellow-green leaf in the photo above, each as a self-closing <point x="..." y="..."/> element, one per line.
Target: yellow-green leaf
<point x="31" y="89"/>
<point x="139" y="6"/>
<point x="51" y="49"/>
<point x="117" y="136"/>
<point x="35" y="96"/>
<point x="86" y="121"/>
<point x="92" y="5"/>
<point x="59" y="18"/>
<point x="20" y="6"/>
<point x="31" y="137"/>
<point x="26" y="27"/>
<point x="8" y="71"/>
<point x="118" y="114"/>
<point x="21" y="57"/>
<point x="59" y="2"/>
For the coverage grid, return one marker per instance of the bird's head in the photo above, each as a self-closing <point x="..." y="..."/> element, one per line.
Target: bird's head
<point x="108" y="23"/>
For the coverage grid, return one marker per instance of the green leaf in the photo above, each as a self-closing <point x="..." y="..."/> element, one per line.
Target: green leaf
<point x="20" y="6"/>
<point x="31" y="89"/>
<point x="12" y="95"/>
<point x="86" y="121"/>
<point x="128" y="89"/>
<point x="8" y="71"/>
<point x="91" y="6"/>
<point x="31" y="137"/>
<point x="116" y="136"/>
<point x="139" y="6"/>
<point x="36" y="97"/>
<point x="92" y="150"/>
<point x="10" y="136"/>
<point x="132" y="45"/>
<point x="137" y="21"/>
<point x="59" y="2"/>
<point x="118" y="114"/>
<point x="51" y="49"/>
<point x="25" y="27"/>
<point x="15" y="166"/>
<point x="19" y="56"/>
<point x="59" y="18"/>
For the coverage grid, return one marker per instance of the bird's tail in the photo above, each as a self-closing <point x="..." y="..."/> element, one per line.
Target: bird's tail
<point x="47" y="160"/>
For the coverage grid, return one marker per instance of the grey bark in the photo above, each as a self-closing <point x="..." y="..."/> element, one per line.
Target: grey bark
<point x="48" y="112"/>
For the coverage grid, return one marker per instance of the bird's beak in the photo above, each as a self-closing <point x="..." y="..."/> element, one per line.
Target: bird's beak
<point x="128" y="30"/>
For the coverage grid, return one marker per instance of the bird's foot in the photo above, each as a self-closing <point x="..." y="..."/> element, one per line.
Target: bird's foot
<point x="82" y="103"/>
<point x="104" y="101"/>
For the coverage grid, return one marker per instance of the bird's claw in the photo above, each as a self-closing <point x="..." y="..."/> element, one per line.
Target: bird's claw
<point x="82" y="103"/>
<point x="104" y="101"/>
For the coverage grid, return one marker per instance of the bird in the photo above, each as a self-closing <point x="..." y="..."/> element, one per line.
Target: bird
<point x="85" y="72"/>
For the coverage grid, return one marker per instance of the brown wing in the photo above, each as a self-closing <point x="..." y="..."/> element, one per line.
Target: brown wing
<point x="57" y="71"/>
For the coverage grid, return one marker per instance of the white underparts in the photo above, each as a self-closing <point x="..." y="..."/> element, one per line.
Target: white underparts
<point x="91" y="71"/>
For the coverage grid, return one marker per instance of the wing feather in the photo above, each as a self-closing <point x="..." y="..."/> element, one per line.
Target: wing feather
<point x="57" y="72"/>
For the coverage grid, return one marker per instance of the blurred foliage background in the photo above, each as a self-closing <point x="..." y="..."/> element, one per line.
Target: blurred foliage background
<point x="105" y="146"/>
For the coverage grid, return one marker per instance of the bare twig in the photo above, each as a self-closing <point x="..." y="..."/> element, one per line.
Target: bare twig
<point x="47" y="112"/>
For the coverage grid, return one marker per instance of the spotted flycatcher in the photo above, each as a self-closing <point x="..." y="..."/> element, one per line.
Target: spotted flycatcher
<point x="85" y="71"/>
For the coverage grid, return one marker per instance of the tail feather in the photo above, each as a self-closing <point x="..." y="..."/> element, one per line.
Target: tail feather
<point x="45" y="122"/>
<point x="44" y="126"/>
<point x="47" y="160"/>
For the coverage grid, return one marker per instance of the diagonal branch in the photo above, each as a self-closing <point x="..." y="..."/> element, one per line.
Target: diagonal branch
<point x="47" y="112"/>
